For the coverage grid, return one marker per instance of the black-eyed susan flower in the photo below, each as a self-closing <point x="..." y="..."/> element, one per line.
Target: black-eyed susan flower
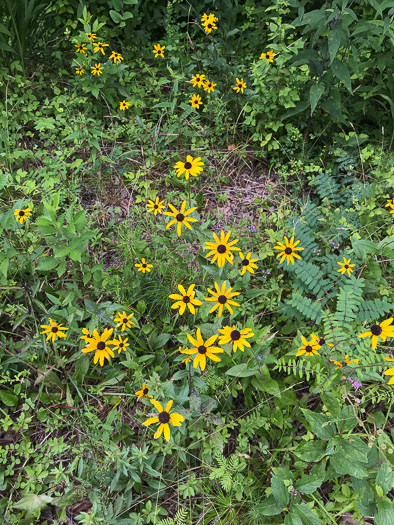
<point x="143" y="392"/>
<point x="120" y="344"/>
<point x="91" y="36"/>
<point x="221" y="249"/>
<point x="22" y="215"/>
<point x="158" y="50"/>
<point x="240" y="85"/>
<point x="86" y="335"/>
<point x="198" y="80"/>
<point x="164" y="418"/>
<point x="185" y="299"/>
<point x="209" y="25"/>
<point x="346" y="266"/>
<point x="208" y="86"/>
<point x="222" y="297"/>
<point x="80" y="48"/>
<point x="124" y="321"/>
<point x="206" y="17"/>
<point x="116" y="57"/>
<point x="99" y="344"/>
<point x="203" y="350"/>
<point x="79" y="70"/>
<point x="238" y="338"/>
<point x="247" y="263"/>
<point x="288" y="251"/>
<point x="188" y="358"/>
<point x="143" y="267"/>
<point x="309" y="348"/>
<point x="195" y="101"/>
<point x="382" y="330"/>
<point x="99" y="46"/>
<point x="97" y="69"/>
<point x="390" y="371"/>
<point x="156" y="206"/>
<point x="180" y="217"/>
<point x="346" y="361"/>
<point x="390" y="204"/>
<point x="191" y="167"/>
<point x="54" y="330"/>
<point x="269" y="55"/>
<point x="124" y="105"/>
<point x="320" y="341"/>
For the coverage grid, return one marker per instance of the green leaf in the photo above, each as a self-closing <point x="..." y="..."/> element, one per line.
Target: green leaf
<point x="33" y="502"/>
<point x="159" y="341"/>
<point x="385" y="514"/>
<point x="385" y="478"/>
<point x="334" y="110"/>
<point x="3" y="178"/>
<point x="345" y="462"/>
<point x="61" y="252"/>
<point x="4" y="266"/>
<point x="315" y="94"/>
<point x="334" y="42"/>
<point x="81" y="368"/>
<point x="241" y="371"/>
<point x="320" y="424"/>
<point x="116" y="17"/>
<point x="341" y="71"/>
<point x="312" y="451"/>
<point x="47" y="263"/>
<point x="8" y="398"/>
<point x="306" y="514"/>
<point x="268" y="507"/>
<point x="279" y="491"/>
<point x="309" y="484"/>
<point x="331" y="402"/>
<point x="363" y="247"/>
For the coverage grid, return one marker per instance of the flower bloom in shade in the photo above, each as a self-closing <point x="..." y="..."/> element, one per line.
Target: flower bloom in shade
<point x="116" y="57"/>
<point x="236" y="337"/>
<point x="390" y="204"/>
<point x="240" y="85"/>
<point x="143" y="392"/>
<point x="91" y="36"/>
<point x="191" y="167"/>
<point x="22" y="215"/>
<point x="180" y="217"/>
<point x="80" y="48"/>
<point x="79" y="70"/>
<point x="308" y="348"/>
<point x="99" y="344"/>
<point x="382" y="330"/>
<point x="247" y="263"/>
<point x="97" y="69"/>
<point x="186" y="299"/>
<point x="124" y="321"/>
<point x="346" y="267"/>
<point x="86" y="335"/>
<point x="53" y="330"/>
<point x="269" y="55"/>
<point x="120" y="344"/>
<point x="222" y="298"/>
<point x="164" y="418"/>
<point x="346" y="361"/>
<point x="143" y="267"/>
<point x="99" y="46"/>
<point x="390" y="371"/>
<point x="156" y="206"/>
<point x="198" y="80"/>
<point x="158" y="50"/>
<point x="208" y="86"/>
<point x="195" y="101"/>
<point x="221" y="249"/>
<point x="288" y="251"/>
<point x="319" y="341"/>
<point x="206" y="17"/>
<point x="209" y="23"/>
<point x="203" y="350"/>
<point x="124" y="105"/>
<point x="188" y="358"/>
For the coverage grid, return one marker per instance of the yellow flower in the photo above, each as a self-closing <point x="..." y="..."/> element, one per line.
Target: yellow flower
<point x="99" y="46"/>
<point x="120" y="344"/>
<point x="195" y="101"/>
<point x="382" y="330"/>
<point x="124" y="321"/>
<point x="236" y="337"/>
<point x="240" y="85"/>
<point x="156" y="206"/>
<point x="390" y="371"/>
<point x="91" y="36"/>
<point x="186" y="299"/>
<point x="390" y="204"/>
<point x="222" y="298"/>
<point x="346" y="267"/>
<point x="124" y="105"/>
<point x="53" y="330"/>
<point x="22" y="215"/>
<point x="208" y="86"/>
<point x="80" y="48"/>
<point x="203" y="350"/>
<point x="211" y="16"/>
<point x="269" y="55"/>
<point x="319" y="341"/>
<point x="308" y="349"/>
<point x="86" y="335"/>
<point x="188" y="358"/>
<point x="198" y="80"/>
<point x="287" y="252"/>
<point x="209" y="24"/>
<point x="346" y="361"/>
<point x="99" y="344"/>
<point x="97" y="69"/>
<point x="143" y="392"/>
<point x="164" y="417"/>
<point x="180" y="217"/>
<point x="190" y="167"/>
<point x="158" y="50"/>
<point x="247" y="263"/>
<point x="117" y="57"/>
<point x="79" y="71"/>
<point x="221" y="249"/>
<point x="144" y="267"/>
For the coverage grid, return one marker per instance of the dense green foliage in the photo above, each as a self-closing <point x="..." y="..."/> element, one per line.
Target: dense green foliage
<point x="270" y="436"/>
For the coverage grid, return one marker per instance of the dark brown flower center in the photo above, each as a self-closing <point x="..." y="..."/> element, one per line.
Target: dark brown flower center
<point x="188" y="165"/>
<point x="100" y="345"/>
<point x="221" y="248"/>
<point x="121" y="345"/>
<point x="125" y="320"/>
<point x="308" y="348"/>
<point x="235" y="335"/>
<point x="164" y="417"/>
<point x="180" y="217"/>
<point x="346" y="266"/>
<point x="222" y="299"/>
<point x="321" y="341"/>
<point x="186" y="299"/>
<point x="21" y="213"/>
<point x="288" y="251"/>
<point x="202" y="349"/>
<point x="146" y="390"/>
<point x="240" y="86"/>
<point x="144" y="265"/>
<point x="55" y="329"/>
<point x="209" y="25"/>
<point x="245" y="262"/>
<point x="155" y="206"/>
<point x="376" y="329"/>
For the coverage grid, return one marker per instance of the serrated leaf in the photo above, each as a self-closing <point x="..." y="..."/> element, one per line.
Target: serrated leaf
<point x="279" y="491"/>
<point x="268" y="507"/>
<point x="311" y="451"/>
<point x="320" y="424"/>
<point x="315" y="94"/>
<point x="47" y="263"/>
<point x="385" y="514"/>
<point x="309" y="484"/>
<point x="33" y="502"/>
<point x="385" y="478"/>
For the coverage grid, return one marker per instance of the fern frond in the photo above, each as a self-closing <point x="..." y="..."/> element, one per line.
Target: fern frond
<point x="302" y="307"/>
<point x="312" y="277"/>
<point x="348" y="301"/>
<point x="371" y="310"/>
<point x="326" y="187"/>
<point x="178" y="519"/>
<point x="300" y="368"/>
